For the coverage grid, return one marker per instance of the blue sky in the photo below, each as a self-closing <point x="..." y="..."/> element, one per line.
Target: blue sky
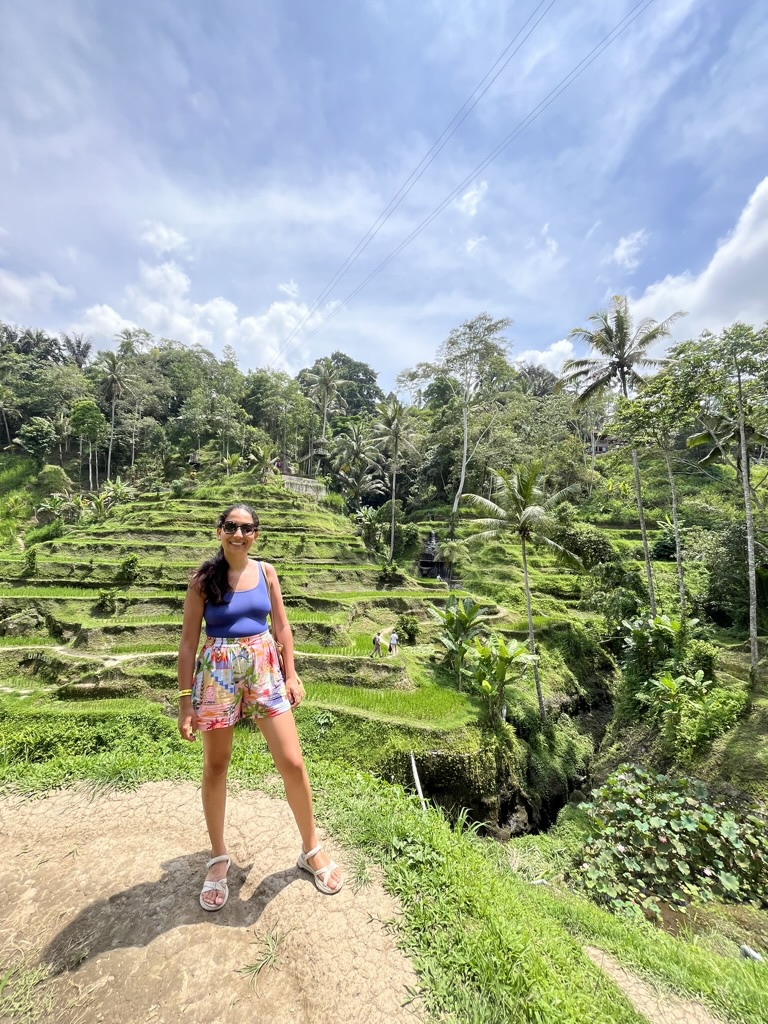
<point x="203" y="169"/>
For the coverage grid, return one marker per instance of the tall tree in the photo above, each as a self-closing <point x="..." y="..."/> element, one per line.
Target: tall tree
<point x="466" y="363"/>
<point x="324" y="386"/>
<point x="521" y="510"/>
<point x="77" y="347"/>
<point x="733" y="370"/>
<point x="653" y="420"/>
<point x="114" y="380"/>
<point x="619" y="352"/>
<point x="392" y="433"/>
<point x="9" y="409"/>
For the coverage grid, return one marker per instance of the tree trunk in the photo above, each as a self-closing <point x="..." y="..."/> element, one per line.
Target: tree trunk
<point x="90" y="466"/>
<point x="96" y="465"/>
<point x="592" y="465"/>
<point x="457" y="499"/>
<point x="7" y="428"/>
<point x="111" y="438"/>
<point x="394" y="485"/>
<point x="678" y="543"/>
<point x="754" y="652"/>
<point x="531" y="639"/>
<point x="644" y="532"/>
<point x="80" y="465"/>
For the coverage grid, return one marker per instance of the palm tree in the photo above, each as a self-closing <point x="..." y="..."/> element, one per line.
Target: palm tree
<point x="620" y="352"/>
<point x="358" y="482"/>
<point x="391" y="432"/>
<point x="77" y="347"/>
<point x="522" y="510"/>
<point x="325" y="384"/>
<point x="115" y="379"/>
<point x="353" y="447"/>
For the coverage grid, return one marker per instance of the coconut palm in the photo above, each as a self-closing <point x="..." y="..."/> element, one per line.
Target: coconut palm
<point x="77" y="347"/>
<point x="620" y="351"/>
<point x="522" y="511"/>
<point x="115" y="380"/>
<point x="358" y="482"/>
<point x="325" y="384"/>
<point x="391" y="432"/>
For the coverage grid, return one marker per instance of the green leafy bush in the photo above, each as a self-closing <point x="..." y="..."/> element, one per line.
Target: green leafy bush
<point x="391" y="575"/>
<point x="407" y="627"/>
<point x="128" y="569"/>
<point x="29" y="562"/>
<point x="107" y="602"/>
<point x="700" y="655"/>
<point x="656" y="839"/>
<point x="691" y="710"/>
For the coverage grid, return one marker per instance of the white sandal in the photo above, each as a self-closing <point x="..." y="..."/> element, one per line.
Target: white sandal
<point x="220" y="886"/>
<point x="322" y="875"/>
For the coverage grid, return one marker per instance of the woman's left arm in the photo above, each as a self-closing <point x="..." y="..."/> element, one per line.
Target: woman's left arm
<point x="282" y="633"/>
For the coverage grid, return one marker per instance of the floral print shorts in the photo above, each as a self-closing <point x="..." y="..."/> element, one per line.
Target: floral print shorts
<point x="237" y="678"/>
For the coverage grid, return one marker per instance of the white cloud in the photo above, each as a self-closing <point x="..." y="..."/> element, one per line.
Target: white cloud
<point x="472" y="243"/>
<point x="731" y="287"/>
<point x="290" y="288"/>
<point x="628" y="249"/>
<point x="470" y="201"/>
<point x="21" y="295"/>
<point x="552" y="357"/>
<point x="160" y="301"/>
<point x="162" y="238"/>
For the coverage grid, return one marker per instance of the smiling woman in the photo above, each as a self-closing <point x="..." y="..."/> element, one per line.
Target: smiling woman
<point x="238" y="676"/>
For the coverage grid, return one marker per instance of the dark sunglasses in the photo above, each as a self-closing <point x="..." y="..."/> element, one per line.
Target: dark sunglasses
<point x="245" y="528"/>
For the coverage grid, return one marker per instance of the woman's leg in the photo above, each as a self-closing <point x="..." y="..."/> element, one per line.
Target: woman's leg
<point x="217" y="750"/>
<point x="283" y="741"/>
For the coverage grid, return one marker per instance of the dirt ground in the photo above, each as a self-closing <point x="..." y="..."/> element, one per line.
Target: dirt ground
<point x="103" y="891"/>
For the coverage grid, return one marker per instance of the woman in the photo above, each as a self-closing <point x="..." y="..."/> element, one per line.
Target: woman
<point x="237" y="676"/>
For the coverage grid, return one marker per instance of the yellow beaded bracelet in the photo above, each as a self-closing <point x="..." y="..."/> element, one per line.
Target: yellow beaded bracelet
<point x="185" y="693"/>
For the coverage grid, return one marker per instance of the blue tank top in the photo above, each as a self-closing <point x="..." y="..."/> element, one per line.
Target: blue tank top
<point x="243" y="613"/>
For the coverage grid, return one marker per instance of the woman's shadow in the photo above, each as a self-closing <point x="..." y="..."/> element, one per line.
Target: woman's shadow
<point x="136" y="916"/>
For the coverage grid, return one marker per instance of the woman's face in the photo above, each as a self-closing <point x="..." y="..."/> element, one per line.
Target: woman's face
<point x="237" y="543"/>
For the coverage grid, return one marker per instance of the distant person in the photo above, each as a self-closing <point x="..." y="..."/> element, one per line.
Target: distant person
<point x="393" y="641"/>
<point x="439" y="578"/>
<point x="376" y="646"/>
<point x="238" y="677"/>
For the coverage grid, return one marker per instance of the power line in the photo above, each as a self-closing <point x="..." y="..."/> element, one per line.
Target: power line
<point x="537" y="111"/>
<point x="437" y="146"/>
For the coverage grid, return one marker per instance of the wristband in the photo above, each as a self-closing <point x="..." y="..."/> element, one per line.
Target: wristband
<point x="185" y="693"/>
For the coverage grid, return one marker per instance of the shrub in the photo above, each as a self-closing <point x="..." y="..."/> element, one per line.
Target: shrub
<point x="391" y="575"/>
<point x="107" y="602"/>
<point x="128" y="570"/>
<point x="654" y="838"/>
<point x="29" y="562"/>
<point x="407" y="627"/>
<point x="700" y="655"/>
<point x="334" y="502"/>
<point x="691" y="710"/>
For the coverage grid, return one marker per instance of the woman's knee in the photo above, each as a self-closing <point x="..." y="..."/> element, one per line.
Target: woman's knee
<point x="290" y="764"/>
<point x="216" y="765"/>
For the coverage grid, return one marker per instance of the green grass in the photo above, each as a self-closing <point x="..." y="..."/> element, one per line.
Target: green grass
<point x="440" y="707"/>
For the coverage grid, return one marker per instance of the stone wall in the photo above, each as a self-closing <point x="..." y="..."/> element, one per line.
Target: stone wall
<point x="305" y="485"/>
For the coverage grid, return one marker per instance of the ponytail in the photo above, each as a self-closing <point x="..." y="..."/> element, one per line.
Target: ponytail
<point x="212" y="578"/>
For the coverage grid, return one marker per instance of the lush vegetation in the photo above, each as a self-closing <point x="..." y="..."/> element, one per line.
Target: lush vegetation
<point x="578" y="572"/>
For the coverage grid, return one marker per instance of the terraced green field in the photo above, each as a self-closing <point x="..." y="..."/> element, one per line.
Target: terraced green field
<point x="98" y="617"/>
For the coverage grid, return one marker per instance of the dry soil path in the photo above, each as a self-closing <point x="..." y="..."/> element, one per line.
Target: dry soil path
<point x="103" y="890"/>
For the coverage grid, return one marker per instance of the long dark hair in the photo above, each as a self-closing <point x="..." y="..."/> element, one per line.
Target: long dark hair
<point x="212" y="578"/>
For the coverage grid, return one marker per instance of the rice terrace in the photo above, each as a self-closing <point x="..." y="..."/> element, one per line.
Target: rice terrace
<point x="379" y="658"/>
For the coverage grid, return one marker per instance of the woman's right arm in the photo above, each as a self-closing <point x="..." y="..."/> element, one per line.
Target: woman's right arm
<point x="190" y="638"/>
